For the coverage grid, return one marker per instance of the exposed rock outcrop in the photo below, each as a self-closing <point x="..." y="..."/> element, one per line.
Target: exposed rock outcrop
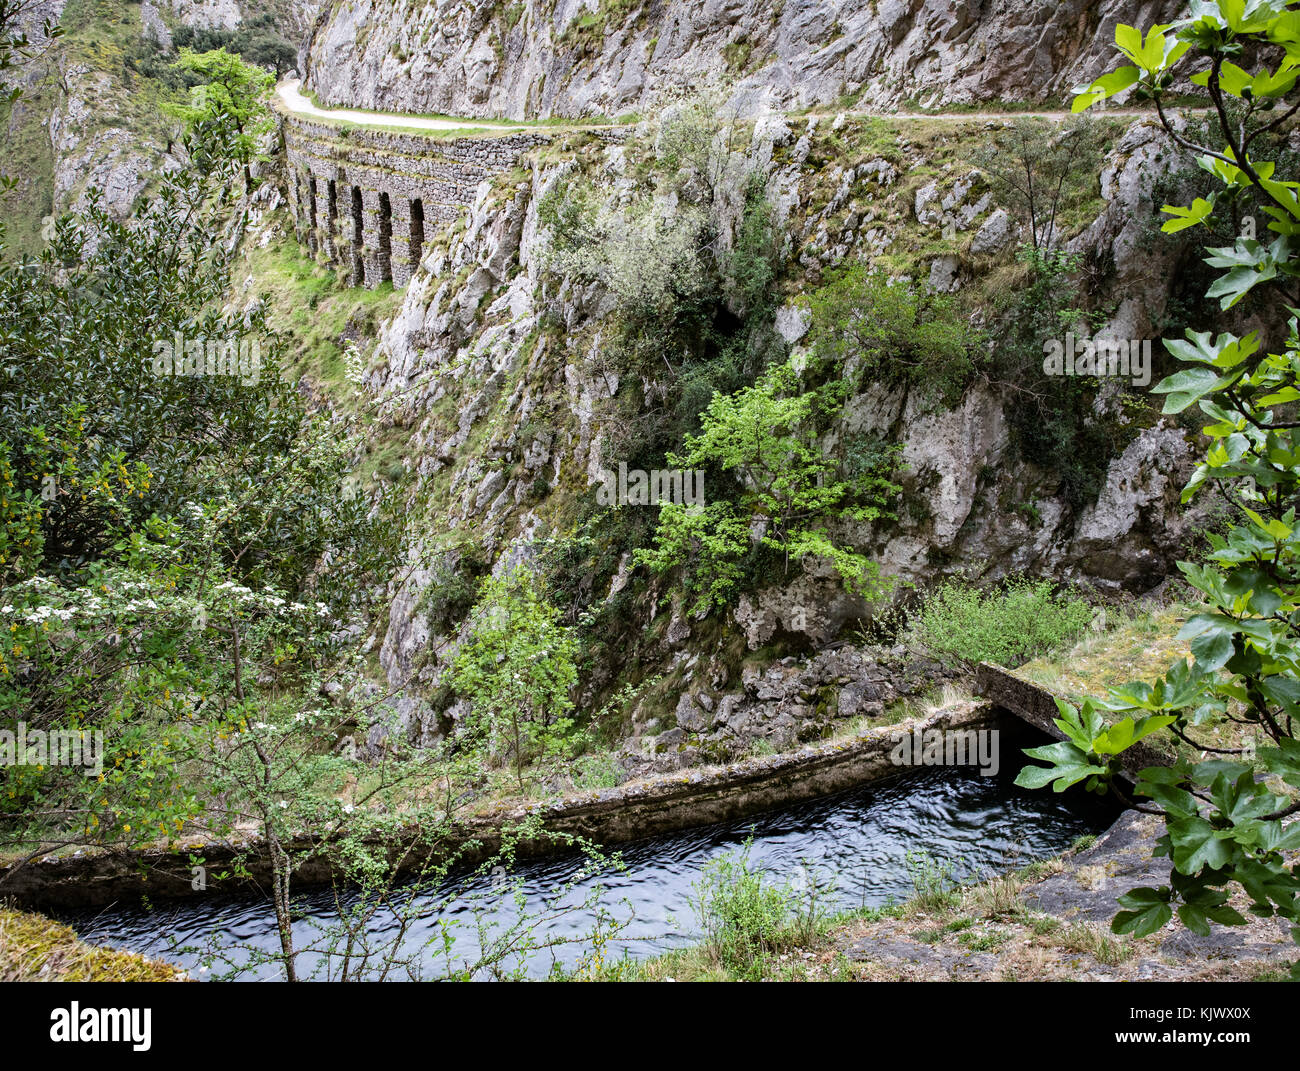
<point x="539" y="58"/>
<point x="790" y="702"/>
<point x="502" y="406"/>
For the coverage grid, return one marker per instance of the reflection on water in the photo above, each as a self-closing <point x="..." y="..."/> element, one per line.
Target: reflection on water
<point x="859" y="840"/>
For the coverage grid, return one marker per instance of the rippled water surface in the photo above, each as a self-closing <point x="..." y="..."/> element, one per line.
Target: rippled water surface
<point x="859" y="841"/>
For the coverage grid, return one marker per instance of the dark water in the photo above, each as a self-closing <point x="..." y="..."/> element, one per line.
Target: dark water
<point x="858" y="842"/>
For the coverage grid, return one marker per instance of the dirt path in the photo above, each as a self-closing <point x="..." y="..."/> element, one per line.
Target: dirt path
<point x="291" y="97"/>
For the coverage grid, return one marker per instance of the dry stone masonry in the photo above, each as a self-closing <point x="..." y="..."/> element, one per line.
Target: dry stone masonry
<point x="366" y="200"/>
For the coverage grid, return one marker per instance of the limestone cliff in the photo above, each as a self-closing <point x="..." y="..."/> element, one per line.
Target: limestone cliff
<point x="493" y="367"/>
<point x="539" y="58"/>
<point x="89" y="117"/>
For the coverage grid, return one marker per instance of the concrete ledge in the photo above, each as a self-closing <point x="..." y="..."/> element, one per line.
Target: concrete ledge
<point x="1037" y="706"/>
<point x="611" y="816"/>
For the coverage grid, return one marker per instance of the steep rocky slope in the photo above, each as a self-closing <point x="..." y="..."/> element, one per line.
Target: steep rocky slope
<point x="494" y="372"/>
<point x="89" y="116"/>
<point x="537" y="58"/>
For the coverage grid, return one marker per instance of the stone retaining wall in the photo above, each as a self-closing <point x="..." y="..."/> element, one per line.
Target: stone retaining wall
<point x="1037" y="706"/>
<point x="366" y="200"/>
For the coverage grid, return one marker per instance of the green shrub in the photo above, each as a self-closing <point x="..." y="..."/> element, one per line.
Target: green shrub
<point x="1008" y="624"/>
<point x="452" y="588"/>
<point x="746" y="918"/>
<point x="1054" y="421"/>
<point x="871" y="328"/>
<point x="756" y="438"/>
<point x="934" y="886"/>
<point x="597" y="771"/>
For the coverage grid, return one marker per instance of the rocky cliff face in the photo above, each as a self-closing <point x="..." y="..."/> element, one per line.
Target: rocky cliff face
<point x="538" y="58"/>
<point x="504" y="392"/>
<point x="495" y="369"/>
<point x="89" y="117"/>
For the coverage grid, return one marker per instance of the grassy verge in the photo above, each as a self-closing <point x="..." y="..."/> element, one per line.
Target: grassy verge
<point x="36" y="949"/>
<point x="985" y="931"/>
<point x="1136" y="647"/>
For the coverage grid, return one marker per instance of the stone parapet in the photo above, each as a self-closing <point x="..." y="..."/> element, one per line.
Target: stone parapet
<point x="365" y="200"/>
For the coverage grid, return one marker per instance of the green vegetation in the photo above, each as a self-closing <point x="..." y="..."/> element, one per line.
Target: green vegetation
<point x="587" y="31"/>
<point x="36" y="949"/>
<point x="1007" y="624"/>
<point x="177" y="552"/>
<point x="1041" y="171"/>
<point x="257" y="40"/>
<point x="932" y="881"/>
<point x="1224" y="826"/>
<point x="1054" y="419"/>
<point x="758" y="436"/>
<point x="871" y="329"/>
<point x="317" y="313"/>
<point x="746" y="919"/>
<point x="694" y="295"/>
<point x="694" y="298"/>
<point x="186" y="567"/>
<point x="516" y="668"/>
<point x="226" y="108"/>
<point x="166" y="500"/>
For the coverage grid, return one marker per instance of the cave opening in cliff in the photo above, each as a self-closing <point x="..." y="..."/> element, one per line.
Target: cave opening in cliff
<point x="385" y="238"/>
<point x="358" y="261"/>
<point x="417" y="232"/>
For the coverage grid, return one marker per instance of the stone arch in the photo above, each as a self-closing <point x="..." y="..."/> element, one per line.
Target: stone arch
<point x="332" y="221"/>
<point x="313" y="241"/>
<point x="416" y="235"/>
<point x="358" y="239"/>
<point x="385" y="238"/>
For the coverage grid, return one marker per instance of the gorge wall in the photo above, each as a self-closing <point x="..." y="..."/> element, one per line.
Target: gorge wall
<point x="495" y="377"/>
<point x="538" y="58"/>
<point x="492" y="373"/>
<point x="489" y="369"/>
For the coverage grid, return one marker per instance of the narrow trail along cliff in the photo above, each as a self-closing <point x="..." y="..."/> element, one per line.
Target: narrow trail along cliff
<point x="292" y="99"/>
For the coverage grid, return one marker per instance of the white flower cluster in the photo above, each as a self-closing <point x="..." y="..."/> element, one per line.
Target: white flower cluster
<point x="40" y="602"/>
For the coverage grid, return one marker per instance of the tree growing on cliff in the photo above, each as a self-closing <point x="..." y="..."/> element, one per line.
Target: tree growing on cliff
<point x="1224" y="828"/>
<point x="516" y="669"/>
<point x="786" y="488"/>
<point x="227" y="109"/>
<point x="870" y="329"/>
<point x="1037" y="170"/>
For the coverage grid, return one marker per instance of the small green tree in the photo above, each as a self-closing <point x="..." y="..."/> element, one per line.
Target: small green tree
<point x="1036" y="169"/>
<point x="868" y="327"/>
<point x="787" y="487"/>
<point x="1054" y="419"/>
<point x="517" y="669"/>
<point x="227" y="108"/>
